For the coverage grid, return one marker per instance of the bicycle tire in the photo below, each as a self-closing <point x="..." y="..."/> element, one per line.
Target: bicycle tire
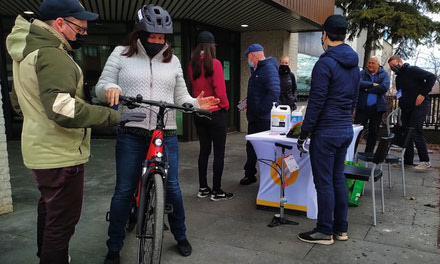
<point x="150" y="241"/>
<point x="131" y="221"/>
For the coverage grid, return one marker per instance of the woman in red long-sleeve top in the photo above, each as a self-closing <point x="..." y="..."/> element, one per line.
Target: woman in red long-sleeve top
<point x="206" y="74"/>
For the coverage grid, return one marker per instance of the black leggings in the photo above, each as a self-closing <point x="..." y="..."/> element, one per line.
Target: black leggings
<point x="212" y="133"/>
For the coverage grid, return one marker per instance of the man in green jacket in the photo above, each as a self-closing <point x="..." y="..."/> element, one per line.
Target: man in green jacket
<point x="57" y="119"/>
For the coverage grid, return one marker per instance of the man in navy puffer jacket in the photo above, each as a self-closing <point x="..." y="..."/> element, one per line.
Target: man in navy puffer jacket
<point x="263" y="90"/>
<point x="328" y="119"/>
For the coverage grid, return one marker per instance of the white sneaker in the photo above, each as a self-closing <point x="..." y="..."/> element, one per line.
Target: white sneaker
<point x="423" y="165"/>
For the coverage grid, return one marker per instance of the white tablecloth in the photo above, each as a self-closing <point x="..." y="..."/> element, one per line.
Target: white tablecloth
<point x="300" y="192"/>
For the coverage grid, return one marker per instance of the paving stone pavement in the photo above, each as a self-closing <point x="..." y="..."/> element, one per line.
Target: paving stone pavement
<point x="235" y="231"/>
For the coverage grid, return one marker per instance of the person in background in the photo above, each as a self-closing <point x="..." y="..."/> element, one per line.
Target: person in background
<point x="288" y="88"/>
<point x="55" y="138"/>
<point x="206" y="75"/>
<point x="371" y="104"/>
<point x="328" y="121"/>
<point x="413" y="86"/>
<point x="263" y="90"/>
<point x="145" y="65"/>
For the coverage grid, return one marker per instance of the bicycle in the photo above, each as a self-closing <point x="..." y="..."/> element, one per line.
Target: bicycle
<point x="148" y="205"/>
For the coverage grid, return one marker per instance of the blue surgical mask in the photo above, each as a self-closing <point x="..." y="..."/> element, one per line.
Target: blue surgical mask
<point x="250" y="64"/>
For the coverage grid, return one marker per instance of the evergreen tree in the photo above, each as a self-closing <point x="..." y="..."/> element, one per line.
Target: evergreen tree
<point x="400" y="22"/>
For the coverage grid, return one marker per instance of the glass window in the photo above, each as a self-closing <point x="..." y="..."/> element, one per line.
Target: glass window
<point x="304" y="75"/>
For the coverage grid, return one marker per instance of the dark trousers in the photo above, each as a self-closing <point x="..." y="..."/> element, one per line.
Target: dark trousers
<point x="212" y="133"/>
<point x="415" y="119"/>
<point x="373" y="118"/>
<point x="59" y="210"/>
<point x="250" y="169"/>
<point x="327" y="154"/>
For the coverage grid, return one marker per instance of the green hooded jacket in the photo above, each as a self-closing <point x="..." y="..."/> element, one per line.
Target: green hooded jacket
<point x="49" y="88"/>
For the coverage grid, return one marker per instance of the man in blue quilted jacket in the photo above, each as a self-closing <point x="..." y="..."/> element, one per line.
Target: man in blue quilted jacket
<point x="328" y="121"/>
<point x="371" y="104"/>
<point x="263" y="90"/>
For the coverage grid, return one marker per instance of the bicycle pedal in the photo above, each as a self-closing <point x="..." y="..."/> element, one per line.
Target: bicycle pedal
<point x="168" y="208"/>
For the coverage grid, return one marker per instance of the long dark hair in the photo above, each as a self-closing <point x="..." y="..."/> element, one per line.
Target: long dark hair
<point x="209" y="56"/>
<point x="131" y="45"/>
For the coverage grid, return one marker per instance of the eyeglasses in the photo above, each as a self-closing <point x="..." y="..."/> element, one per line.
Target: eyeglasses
<point x="83" y="29"/>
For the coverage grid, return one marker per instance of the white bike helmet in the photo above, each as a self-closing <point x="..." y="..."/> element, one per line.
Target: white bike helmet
<point x="154" y="19"/>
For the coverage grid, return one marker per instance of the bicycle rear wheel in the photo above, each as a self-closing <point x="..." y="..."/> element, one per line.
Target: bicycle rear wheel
<point x="150" y="241"/>
<point x="131" y="221"/>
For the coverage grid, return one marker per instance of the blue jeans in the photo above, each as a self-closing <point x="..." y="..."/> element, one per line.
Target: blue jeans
<point x="327" y="154"/>
<point x="130" y="152"/>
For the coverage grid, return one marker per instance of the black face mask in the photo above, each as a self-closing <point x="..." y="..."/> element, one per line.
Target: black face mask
<point x="284" y="69"/>
<point x="396" y="68"/>
<point x="151" y="48"/>
<point x="76" y="44"/>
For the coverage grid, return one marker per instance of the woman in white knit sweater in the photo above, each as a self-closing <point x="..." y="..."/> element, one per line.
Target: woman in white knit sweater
<point x="145" y="65"/>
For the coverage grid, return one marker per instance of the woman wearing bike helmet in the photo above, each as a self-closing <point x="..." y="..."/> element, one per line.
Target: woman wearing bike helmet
<point x="145" y="65"/>
<point x="206" y="75"/>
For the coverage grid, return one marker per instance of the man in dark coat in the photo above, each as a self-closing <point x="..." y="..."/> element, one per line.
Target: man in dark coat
<point x="263" y="90"/>
<point x="371" y="104"/>
<point x="413" y="85"/>
<point x="332" y="97"/>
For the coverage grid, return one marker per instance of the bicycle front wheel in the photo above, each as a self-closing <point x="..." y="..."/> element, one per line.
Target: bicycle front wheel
<point x="150" y="241"/>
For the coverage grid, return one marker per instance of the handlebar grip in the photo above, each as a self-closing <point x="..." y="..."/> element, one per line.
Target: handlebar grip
<point x="204" y="112"/>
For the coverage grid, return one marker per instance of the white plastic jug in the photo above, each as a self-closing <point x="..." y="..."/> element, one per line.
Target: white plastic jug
<point x="280" y="118"/>
<point x="297" y="116"/>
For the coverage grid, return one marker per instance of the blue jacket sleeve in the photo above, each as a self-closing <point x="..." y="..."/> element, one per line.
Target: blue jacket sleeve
<point x="272" y="86"/>
<point x="384" y="85"/>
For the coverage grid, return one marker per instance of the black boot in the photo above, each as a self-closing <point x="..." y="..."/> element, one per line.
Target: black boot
<point x="112" y="258"/>
<point x="184" y="247"/>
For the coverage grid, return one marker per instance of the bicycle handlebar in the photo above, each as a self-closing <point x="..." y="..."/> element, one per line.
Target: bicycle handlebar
<point x="186" y="107"/>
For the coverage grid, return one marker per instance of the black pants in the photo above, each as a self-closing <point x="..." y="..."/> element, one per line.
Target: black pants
<point x="59" y="210"/>
<point x="250" y="169"/>
<point x="373" y="118"/>
<point x="212" y="133"/>
<point x="415" y="118"/>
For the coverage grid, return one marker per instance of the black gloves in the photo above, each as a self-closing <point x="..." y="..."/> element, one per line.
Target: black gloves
<point x="300" y="144"/>
<point x="132" y="117"/>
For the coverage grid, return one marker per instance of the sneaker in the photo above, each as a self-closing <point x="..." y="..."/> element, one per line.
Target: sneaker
<point x="341" y="236"/>
<point x="112" y="258"/>
<point x="316" y="237"/>
<point x="184" y="247"/>
<point x="248" y="180"/>
<point x="221" y="195"/>
<point x="398" y="165"/>
<point x="204" y="192"/>
<point x="423" y="165"/>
